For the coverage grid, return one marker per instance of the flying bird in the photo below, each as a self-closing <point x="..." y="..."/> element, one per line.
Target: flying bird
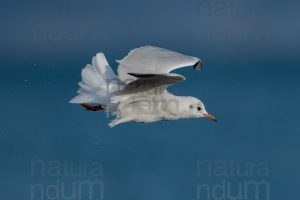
<point x="139" y="92"/>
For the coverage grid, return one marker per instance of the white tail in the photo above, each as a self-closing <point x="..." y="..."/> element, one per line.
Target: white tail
<point x="98" y="81"/>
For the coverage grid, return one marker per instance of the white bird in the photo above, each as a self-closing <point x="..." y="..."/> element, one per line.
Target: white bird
<point x="139" y="92"/>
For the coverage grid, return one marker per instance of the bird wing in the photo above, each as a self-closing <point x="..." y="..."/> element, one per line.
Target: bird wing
<point x="154" y="60"/>
<point x="145" y="86"/>
<point x="146" y="82"/>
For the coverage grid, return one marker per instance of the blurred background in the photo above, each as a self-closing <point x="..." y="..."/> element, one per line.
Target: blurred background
<point x="251" y="52"/>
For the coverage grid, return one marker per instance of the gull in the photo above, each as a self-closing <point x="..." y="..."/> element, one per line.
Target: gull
<point x="139" y="92"/>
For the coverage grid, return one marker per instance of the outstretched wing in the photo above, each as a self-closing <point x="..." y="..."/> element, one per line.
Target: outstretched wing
<point x="154" y="60"/>
<point x="147" y="82"/>
<point x="145" y="86"/>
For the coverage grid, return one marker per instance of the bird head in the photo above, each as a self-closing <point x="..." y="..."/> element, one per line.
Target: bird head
<point x="196" y="109"/>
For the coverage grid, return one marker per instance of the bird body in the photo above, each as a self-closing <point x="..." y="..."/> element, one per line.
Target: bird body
<point x="139" y="92"/>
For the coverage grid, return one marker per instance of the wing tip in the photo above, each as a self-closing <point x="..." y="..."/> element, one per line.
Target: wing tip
<point x="198" y="65"/>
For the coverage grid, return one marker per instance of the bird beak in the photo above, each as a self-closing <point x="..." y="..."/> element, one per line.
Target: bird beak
<point x="211" y="117"/>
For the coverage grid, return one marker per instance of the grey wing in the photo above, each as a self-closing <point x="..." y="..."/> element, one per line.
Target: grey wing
<point x="144" y="89"/>
<point x="154" y="60"/>
<point x="147" y="82"/>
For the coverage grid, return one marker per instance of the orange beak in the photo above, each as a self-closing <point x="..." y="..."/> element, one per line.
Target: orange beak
<point x="211" y="117"/>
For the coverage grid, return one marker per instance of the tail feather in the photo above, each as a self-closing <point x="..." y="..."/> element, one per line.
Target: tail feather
<point x="94" y="85"/>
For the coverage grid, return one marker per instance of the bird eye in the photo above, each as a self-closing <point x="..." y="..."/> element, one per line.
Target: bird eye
<point x="198" y="108"/>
